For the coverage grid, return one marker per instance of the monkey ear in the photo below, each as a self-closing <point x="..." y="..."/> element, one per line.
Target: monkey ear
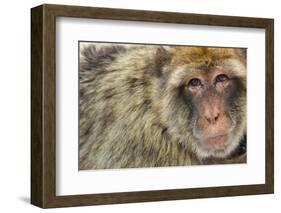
<point x="162" y="58"/>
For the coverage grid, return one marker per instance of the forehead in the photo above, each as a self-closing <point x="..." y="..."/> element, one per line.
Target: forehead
<point x="204" y="56"/>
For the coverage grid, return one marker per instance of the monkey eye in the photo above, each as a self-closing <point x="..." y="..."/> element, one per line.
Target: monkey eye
<point x="195" y="82"/>
<point x="221" y="78"/>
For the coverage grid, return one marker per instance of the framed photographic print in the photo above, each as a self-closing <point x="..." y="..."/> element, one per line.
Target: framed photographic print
<point x="135" y="106"/>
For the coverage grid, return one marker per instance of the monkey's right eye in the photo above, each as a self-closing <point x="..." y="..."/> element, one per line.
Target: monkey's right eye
<point x="195" y="82"/>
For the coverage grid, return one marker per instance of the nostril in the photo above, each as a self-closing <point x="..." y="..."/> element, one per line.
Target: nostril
<point x="212" y="119"/>
<point x="208" y="119"/>
<point x="217" y="117"/>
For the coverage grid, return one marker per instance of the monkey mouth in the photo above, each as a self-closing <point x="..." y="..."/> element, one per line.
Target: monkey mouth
<point x="218" y="142"/>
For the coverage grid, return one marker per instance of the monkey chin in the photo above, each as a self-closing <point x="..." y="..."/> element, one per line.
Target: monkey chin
<point x="220" y="146"/>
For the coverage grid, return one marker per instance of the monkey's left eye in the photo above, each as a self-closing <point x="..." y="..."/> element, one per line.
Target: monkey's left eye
<point x="221" y="78"/>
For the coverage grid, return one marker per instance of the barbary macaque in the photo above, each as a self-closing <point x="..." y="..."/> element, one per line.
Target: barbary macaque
<point x="154" y="106"/>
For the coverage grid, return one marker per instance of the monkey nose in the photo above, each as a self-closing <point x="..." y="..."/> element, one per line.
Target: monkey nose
<point x="212" y="118"/>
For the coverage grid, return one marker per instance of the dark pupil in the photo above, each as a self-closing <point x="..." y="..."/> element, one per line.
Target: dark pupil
<point x="221" y="78"/>
<point x="195" y="82"/>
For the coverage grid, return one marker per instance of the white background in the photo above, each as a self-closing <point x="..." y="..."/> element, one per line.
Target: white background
<point x="15" y="105"/>
<point x="71" y="181"/>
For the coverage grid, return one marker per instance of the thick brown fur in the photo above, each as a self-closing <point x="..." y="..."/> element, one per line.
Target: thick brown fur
<point x="131" y="112"/>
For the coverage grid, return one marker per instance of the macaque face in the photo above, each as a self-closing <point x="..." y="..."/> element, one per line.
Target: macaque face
<point x="213" y="89"/>
<point x="210" y="94"/>
<point x="214" y="95"/>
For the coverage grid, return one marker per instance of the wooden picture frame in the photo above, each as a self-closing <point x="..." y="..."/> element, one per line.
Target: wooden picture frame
<point x="43" y="105"/>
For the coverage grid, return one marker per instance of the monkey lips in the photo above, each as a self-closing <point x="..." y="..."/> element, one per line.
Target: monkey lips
<point x="216" y="143"/>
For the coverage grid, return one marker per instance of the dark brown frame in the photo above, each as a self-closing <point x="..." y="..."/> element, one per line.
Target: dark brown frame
<point x="43" y="105"/>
